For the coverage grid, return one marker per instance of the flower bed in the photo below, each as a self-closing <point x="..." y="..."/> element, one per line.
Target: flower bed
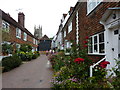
<point x="73" y="71"/>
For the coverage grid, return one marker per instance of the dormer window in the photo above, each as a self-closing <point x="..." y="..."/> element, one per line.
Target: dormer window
<point x="92" y="4"/>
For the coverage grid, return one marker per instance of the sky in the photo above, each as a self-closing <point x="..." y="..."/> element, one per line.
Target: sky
<point x="46" y="13"/>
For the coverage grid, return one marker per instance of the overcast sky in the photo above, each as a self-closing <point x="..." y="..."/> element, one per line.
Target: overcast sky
<point x="39" y="12"/>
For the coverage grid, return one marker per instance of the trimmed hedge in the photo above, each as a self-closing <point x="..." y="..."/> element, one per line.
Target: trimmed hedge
<point x="11" y="62"/>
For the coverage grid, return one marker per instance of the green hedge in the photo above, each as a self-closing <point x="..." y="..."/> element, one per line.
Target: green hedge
<point x="11" y="62"/>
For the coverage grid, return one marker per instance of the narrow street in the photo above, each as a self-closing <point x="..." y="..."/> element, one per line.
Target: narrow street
<point x="33" y="74"/>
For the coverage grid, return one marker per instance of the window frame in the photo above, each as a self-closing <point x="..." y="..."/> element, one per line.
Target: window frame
<point x="70" y="27"/>
<point x="33" y="40"/>
<point x="25" y="36"/>
<point x="36" y="42"/>
<point x="64" y="33"/>
<point x="98" y="45"/>
<point x="5" y="26"/>
<point x="18" y="33"/>
<point x="90" y="8"/>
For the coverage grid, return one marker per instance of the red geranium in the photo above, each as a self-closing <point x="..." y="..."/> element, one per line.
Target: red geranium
<point x="87" y="37"/>
<point x="85" y="42"/>
<point x="85" y="45"/>
<point x="104" y="64"/>
<point x="78" y="60"/>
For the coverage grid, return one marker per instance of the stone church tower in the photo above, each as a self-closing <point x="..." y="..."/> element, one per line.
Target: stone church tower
<point x="38" y="32"/>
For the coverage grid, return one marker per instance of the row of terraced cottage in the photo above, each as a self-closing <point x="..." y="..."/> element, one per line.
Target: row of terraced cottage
<point x="98" y="20"/>
<point x="15" y="33"/>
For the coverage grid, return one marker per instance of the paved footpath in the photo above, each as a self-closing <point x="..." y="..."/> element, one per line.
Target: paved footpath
<point x="33" y="74"/>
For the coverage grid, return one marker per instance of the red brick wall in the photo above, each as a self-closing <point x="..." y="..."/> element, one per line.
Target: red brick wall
<point x="20" y="41"/>
<point x="72" y="34"/>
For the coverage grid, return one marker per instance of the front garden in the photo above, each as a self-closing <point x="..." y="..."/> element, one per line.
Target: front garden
<point x="73" y="71"/>
<point x="18" y="57"/>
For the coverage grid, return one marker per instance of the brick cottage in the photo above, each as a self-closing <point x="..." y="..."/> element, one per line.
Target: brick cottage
<point x="15" y="33"/>
<point x="100" y="22"/>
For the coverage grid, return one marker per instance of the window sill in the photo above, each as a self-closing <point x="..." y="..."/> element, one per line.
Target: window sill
<point x="24" y="39"/>
<point x="96" y="54"/>
<point x="18" y="37"/>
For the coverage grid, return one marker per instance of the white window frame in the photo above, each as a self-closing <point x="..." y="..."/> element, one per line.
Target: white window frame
<point x="36" y="42"/>
<point x="70" y="26"/>
<point x="18" y="33"/>
<point x="98" y="44"/>
<point x="25" y="36"/>
<point x="92" y="4"/>
<point x="33" y="40"/>
<point x="5" y="26"/>
<point x="65" y="33"/>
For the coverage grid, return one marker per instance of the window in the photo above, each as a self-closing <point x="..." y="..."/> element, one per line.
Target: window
<point x="36" y="42"/>
<point x="96" y="44"/>
<point x="18" y="33"/>
<point x="5" y="26"/>
<point x="25" y="36"/>
<point x="65" y="33"/>
<point x="69" y="27"/>
<point x="33" y="40"/>
<point x="91" y="4"/>
<point x="18" y="47"/>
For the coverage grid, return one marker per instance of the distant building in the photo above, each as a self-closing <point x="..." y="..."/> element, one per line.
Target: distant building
<point x="38" y="32"/>
<point x="45" y="44"/>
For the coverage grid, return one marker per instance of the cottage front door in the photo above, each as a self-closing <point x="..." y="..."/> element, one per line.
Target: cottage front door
<point x="114" y="43"/>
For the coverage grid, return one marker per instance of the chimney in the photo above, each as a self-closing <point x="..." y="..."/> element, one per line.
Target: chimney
<point x="21" y="18"/>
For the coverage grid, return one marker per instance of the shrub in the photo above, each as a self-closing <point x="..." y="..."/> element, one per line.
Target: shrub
<point x="11" y="62"/>
<point x="7" y="49"/>
<point x="25" y="56"/>
<point x="26" y="48"/>
<point x="29" y="56"/>
<point x="116" y="80"/>
<point x="35" y="55"/>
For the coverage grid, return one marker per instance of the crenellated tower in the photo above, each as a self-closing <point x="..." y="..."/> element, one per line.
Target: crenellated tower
<point x="38" y="31"/>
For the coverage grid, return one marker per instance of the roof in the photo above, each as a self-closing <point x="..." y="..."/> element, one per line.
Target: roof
<point x="10" y="20"/>
<point x="45" y="37"/>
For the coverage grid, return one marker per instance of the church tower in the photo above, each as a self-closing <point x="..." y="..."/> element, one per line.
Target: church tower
<point x="38" y="31"/>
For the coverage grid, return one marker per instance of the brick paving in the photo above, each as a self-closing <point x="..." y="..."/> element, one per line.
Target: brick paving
<point x="33" y="74"/>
